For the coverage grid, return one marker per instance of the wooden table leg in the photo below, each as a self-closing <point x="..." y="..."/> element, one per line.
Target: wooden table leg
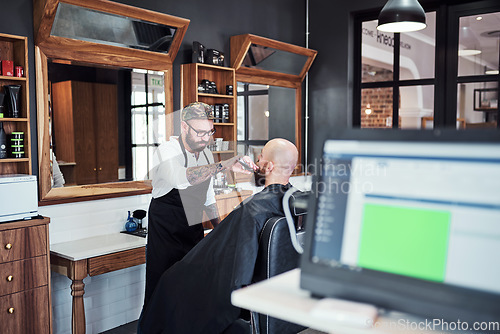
<point x="78" y="273"/>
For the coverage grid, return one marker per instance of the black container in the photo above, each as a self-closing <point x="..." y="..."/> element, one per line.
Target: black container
<point x="225" y="113"/>
<point x="213" y="88"/>
<point x="12" y="92"/>
<point x="229" y="89"/>
<point x="3" y="142"/>
<point x="214" y="57"/>
<point x="198" y="53"/>
<point x="2" y="108"/>
<point x="218" y="113"/>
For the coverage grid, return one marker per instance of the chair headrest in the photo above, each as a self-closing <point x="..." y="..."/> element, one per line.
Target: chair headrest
<point x="298" y="202"/>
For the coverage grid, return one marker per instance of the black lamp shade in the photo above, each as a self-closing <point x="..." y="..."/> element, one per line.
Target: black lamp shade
<point x="401" y="16"/>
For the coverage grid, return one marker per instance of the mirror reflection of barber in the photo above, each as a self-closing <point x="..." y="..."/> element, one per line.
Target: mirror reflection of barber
<point x="182" y="179"/>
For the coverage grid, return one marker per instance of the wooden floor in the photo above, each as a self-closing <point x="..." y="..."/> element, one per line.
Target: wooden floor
<point x="130" y="328"/>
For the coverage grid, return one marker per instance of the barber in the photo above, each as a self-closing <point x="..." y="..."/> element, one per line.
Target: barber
<point x="182" y="173"/>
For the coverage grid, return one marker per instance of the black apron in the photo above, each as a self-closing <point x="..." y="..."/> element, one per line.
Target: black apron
<point x="170" y="237"/>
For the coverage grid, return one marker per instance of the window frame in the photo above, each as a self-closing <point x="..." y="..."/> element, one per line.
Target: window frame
<point x="446" y="77"/>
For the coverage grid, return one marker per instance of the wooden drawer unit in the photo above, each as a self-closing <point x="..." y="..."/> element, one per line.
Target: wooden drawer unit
<point x="21" y="243"/>
<point x="25" y="277"/>
<point x="25" y="312"/>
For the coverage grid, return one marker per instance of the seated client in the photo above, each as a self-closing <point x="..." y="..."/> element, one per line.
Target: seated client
<point x="194" y="295"/>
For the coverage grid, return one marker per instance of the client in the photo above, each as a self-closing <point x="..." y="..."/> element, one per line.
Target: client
<point x="194" y="295"/>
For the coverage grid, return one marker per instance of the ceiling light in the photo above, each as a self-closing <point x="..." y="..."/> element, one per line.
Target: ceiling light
<point x="469" y="52"/>
<point x="401" y="16"/>
<point x="266" y="113"/>
<point x="491" y="72"/>
<point x="469" y="44"/>
<point x="479" y="18"/>
<point x="368" y="110"/>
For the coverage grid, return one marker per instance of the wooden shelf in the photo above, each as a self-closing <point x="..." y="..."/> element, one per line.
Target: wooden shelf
<point x="15" y="160"/>
<point x="226" y="124"/>
<point x="4" y="77"/>
<point x="217" y="95"/>
<point x="6" y="119"/>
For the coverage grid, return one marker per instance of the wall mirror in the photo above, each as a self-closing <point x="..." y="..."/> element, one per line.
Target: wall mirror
<point x="269" y="75"/>
<point x="103" y="95"/>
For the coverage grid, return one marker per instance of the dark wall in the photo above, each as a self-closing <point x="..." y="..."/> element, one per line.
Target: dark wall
<point x="212" y="24"/>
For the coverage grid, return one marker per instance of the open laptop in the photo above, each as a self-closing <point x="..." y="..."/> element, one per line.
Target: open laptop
<point x="408" y="220"/>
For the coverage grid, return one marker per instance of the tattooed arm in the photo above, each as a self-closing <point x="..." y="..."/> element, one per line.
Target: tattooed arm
<point x="213" y="214"/>
<point x="199" y="174"/>
<point x="196" y="175"/>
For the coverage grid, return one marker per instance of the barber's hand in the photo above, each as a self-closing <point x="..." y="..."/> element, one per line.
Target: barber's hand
<point x="234" y="164"/>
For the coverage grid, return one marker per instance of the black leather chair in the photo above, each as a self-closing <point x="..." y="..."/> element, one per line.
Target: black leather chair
<point x="277" y="255"/>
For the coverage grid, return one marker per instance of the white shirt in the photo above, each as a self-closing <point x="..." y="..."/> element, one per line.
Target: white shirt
<point x="168" y="171"/>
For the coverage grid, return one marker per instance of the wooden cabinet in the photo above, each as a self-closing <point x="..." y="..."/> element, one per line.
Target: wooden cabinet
<point x="25" y="277"/>
<point x="85" y="134"/>
<point x="191" y="77"/>
<point x="15" y="48"/>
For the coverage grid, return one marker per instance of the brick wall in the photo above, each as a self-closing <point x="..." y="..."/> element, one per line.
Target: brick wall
<point x="379" y="99"/>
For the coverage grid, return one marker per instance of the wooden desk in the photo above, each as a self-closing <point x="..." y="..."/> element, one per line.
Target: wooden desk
<point x="94" y="256"/>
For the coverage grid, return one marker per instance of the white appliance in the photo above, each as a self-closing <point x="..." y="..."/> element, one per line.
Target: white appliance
<point x="18" y="197"/>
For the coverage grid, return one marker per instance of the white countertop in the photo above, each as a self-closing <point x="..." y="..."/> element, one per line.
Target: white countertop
<point x="281" y="297"/>
<point x="96" y="246"/>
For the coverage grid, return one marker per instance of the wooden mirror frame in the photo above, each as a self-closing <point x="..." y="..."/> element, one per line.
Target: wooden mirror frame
<point x="75" y="51"/>
<point x="240" y="45"/>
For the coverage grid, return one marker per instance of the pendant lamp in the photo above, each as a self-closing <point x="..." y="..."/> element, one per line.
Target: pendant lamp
<point x="401" y="16"/>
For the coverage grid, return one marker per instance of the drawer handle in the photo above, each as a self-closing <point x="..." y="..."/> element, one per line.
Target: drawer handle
<point x="10" y="278"/>
<point x="10" y="310"/>
<point x="8" y="246"/>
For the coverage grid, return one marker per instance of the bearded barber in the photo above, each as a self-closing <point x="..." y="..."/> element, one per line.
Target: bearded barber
<point x="182" y="191"/>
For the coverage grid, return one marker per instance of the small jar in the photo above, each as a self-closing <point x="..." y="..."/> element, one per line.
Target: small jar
<point x="18" y="155"/>
<point x="17" y="135"/>
<point x="17" y="148"/>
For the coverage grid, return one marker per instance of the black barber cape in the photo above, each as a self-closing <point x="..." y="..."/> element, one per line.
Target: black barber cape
<point x="194" y="295"/>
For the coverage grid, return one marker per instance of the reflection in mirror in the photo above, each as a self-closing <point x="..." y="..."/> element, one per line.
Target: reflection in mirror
<point x="110" y="29"/>
<point x="269" y="59"/>
<point x="105" y="123"/>
<point x="264" y="112"/>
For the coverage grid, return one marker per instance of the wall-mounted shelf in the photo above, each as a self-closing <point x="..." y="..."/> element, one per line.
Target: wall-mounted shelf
<point x="15" y="48"/>
<point x="191" y="76"/>
<point x="3" y="77"/>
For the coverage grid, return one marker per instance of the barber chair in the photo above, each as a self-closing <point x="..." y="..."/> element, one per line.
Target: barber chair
<point x="277" y="255"/>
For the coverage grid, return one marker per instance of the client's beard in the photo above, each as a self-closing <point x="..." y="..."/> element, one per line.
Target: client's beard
<point x="260" y="178"/>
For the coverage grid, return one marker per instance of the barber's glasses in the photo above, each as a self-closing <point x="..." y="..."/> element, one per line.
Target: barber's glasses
<point x="201" y="133"/>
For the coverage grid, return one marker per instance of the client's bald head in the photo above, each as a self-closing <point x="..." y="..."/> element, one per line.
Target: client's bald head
<point x="278" y="160"/>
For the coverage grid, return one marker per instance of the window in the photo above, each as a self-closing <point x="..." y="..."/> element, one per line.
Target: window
<point x="477" y="72"/>
<point x="445" y="77"/>
<point x="148" y="119"/>
<point x="253" y="118"/>
<point x="397" y="83"/>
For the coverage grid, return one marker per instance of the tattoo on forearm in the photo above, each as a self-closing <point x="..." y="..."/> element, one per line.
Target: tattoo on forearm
<point x="213" y="214"/>
<point x="199" y="174"/>
<point x="212" y="211"/>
